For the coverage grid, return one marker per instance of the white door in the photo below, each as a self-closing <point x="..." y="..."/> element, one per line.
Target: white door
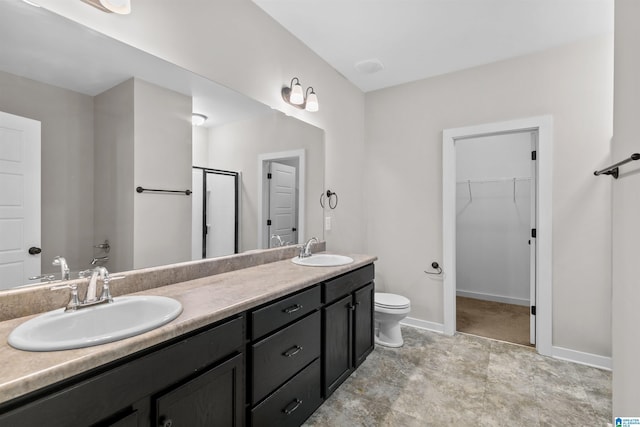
<point x="533" y="246"/>
<point x="19" y="200"/>
<point x="282" y="202"/>
<point x="220" y="214"/>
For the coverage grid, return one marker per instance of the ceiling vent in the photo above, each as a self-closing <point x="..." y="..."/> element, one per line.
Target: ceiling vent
<point x="369" y="66"/>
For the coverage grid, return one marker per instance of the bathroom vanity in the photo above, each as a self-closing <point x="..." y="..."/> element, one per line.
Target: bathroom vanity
<point x="263" y="345"/>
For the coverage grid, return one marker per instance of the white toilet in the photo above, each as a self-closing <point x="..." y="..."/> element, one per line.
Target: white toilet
<point x="390" y="309"/>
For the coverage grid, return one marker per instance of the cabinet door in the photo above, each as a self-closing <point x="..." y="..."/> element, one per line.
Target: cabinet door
<point x="337" y="360"/>
<point x="363" y="325"/>
<point x="214" y="398"/>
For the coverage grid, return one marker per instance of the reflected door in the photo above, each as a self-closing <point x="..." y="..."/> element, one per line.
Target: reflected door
<point x="282" y="202"/>
<point x="19" y="200"/>
<point x="215" y="226"/>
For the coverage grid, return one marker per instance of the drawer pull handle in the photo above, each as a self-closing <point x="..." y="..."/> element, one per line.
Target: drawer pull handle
<point x="290" y="409"/>
<point x="292" y="351"/>
<point x="292" y="309"/>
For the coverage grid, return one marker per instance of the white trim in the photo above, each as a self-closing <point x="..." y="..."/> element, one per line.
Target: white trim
<point x="544" y="126"/>
<point x="266" y="157"/>
<point x="423" y="324"/>
<point x="492" y="297"/>
<point x="589" y="359"/>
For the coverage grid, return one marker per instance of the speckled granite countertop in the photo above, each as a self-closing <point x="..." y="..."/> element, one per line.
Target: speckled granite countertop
<point x="204" y="301"/>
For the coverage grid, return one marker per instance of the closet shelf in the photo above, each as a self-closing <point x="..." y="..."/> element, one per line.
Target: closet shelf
<point x="483" y="181"/>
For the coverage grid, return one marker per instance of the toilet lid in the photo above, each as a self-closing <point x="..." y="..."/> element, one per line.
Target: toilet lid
<point x="391" y="300"/>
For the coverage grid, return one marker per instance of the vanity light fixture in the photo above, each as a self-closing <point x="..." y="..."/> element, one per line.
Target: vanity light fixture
<point x="122" y="7"/>
<point x="198" y="119"/>
<point x="294" y="95"/>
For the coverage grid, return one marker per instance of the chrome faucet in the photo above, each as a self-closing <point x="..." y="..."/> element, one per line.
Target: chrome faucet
<point x="91" y="299"/>
<point x="64" y="268"/>
<point x="305" y="250"/>
<point x="278" y="238"/>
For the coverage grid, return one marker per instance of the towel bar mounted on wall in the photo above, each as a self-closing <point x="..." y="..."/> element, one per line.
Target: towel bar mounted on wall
<point x="613" y="169"/>
<point x="142" y="190"/>
<point x="329" y="196"/>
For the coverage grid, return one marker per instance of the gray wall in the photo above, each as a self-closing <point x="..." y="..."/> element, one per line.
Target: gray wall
<point x="67" y="165"/>
<point x="143" y="138"/>
<point x="574" y="84"/>
<point x="403" y="134"/>
<point x="626" y="211"/>
<point x="162" y="159"/>
<point x="114" y="183"/>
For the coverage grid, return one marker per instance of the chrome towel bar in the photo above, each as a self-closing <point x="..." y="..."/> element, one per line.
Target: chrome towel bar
<point x="185" y="192"/>
<point x="613" y="169"/>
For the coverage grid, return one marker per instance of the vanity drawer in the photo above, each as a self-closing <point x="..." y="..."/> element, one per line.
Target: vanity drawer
<point x="267" y="319"/>
<point x="347" y="283"/>
<point x="292" y="403"/>
<point x="281" y="355"/>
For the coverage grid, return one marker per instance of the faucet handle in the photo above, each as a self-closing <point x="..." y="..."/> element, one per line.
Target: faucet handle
<point x="74" y="302"/>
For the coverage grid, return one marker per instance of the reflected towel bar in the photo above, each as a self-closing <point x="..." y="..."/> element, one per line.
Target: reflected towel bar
<point x="613" y="169"/>
<point x="185" y="192"/>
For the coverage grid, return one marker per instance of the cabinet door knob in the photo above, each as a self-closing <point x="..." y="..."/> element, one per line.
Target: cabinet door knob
<point x="292" y="351"/>
<point x="291" y="407"/>
<point x="165" y="422"/>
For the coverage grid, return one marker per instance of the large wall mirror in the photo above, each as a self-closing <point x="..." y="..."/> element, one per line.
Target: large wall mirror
<point x="88" y="125"/>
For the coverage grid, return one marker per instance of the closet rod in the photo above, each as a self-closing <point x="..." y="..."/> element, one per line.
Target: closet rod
<point x="185" y="192"/>
<point x="481" y="181"/>
<point x="613" y="169"/>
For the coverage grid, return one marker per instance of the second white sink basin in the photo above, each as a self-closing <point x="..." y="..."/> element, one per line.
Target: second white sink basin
<point x="323" y="260"/>
<point x="125" y="317"/>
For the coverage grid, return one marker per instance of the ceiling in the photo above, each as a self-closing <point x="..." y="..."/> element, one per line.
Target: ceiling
<point x="417" y="39"/>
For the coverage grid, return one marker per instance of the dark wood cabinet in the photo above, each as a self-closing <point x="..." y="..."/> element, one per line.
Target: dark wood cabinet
<point x="292" y="403"/>
<point x="211" y="399"/>
<point x="285" y="370"/>
<point x="363" y="341"/>
<point x="122" y="393"/>
<point x="347" y="325"/>
<point x="338" y="336"/>
<point x="270" y="366"/>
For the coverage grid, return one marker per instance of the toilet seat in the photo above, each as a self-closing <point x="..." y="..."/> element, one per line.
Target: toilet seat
<point x="391" y="301"/>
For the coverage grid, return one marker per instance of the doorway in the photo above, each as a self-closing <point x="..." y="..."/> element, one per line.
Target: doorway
<point x="282" y="198"/>
<point x="215" y="212"/>
<point x="541" y="302"/>
<point x="495" y="252"/>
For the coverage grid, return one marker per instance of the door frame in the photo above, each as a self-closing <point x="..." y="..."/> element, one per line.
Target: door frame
<point x="31" y="132"/>
<point x="543" y="269"/>
<point x="263" y="160"/>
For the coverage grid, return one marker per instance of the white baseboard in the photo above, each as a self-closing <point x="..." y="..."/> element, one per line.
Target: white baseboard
<point x="490" y="297"/>
<point x="423" y="324"/>
<point x="582" y="358"/>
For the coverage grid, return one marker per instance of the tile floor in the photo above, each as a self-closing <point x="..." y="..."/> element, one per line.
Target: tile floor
<point x="435" y="380"/>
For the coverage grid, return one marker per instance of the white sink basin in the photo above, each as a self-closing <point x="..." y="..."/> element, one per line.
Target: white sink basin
<point x="125" y="317"/>
<point x="323" y="260"/>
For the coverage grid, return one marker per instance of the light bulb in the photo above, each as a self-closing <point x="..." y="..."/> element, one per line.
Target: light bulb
<point x="296" y="97"/>
<point x="312" y="101"/>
